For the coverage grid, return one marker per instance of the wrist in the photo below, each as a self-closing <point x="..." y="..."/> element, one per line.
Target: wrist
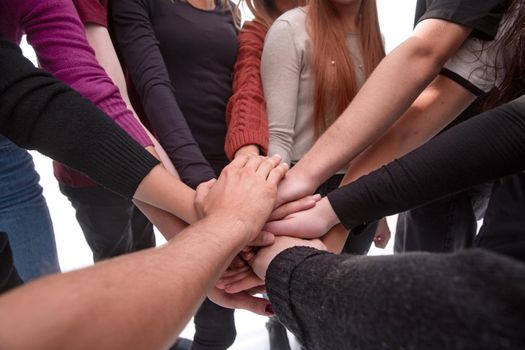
<point x="247" y="150"/>
<point x="327" y="213"/>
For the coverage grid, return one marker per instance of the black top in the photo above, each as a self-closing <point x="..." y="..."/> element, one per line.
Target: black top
<point x="181" y="61"/>
<point x="483" y="16"/>
<point x="484" y="148"/>
<point x="39" y="112"/>
<point x="467" y="300"/>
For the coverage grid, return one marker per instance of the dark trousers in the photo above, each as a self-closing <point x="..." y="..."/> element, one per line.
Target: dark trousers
<point x="446" y="225"/>
<point x="111" y="224"/>
<point x="503" y="229"/>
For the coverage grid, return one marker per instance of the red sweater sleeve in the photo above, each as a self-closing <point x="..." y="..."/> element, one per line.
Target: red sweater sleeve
<point x="93" y="11"/>
<point x="246" y="111"/>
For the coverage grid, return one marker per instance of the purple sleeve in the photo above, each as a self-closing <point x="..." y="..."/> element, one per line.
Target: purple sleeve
<point x="140" y="49"/>
<point x="58" y="37"/>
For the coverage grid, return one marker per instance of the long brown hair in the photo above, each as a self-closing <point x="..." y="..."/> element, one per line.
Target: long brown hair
<point x="333" y="66"/>
<point x="265" y="11"/>
<point x="511" y="51"/>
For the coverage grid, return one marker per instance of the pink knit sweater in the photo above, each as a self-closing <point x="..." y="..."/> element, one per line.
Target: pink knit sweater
<point x="54" y="30"/>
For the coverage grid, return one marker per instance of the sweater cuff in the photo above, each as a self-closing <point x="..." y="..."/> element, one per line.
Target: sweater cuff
<point x="340" y="204"/>
<point x="241" y="139"/>
<point x="128" y="165"/>
<point x="279" y="281"/>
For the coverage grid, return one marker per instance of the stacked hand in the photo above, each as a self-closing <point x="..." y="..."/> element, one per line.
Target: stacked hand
<point x="246" y="192"/>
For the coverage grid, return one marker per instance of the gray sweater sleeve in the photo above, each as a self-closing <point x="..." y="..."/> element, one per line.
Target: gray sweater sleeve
<point x="467" y="300"/>
<point x="36" y="113"/>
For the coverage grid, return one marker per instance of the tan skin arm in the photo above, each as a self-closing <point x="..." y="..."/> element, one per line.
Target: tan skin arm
<point x="439" y="104"/>
<point x="143" y="300"/>
<point x="388" y="93"/>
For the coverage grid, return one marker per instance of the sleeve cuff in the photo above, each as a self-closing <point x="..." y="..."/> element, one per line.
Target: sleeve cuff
<point x="278" y="282"/>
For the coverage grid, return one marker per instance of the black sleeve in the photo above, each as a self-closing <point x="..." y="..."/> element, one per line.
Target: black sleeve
<point x="482" y="16"/>
<point x="483" y="148"/>
<point x="39" y="112"/>
<point x="472" y="300"/>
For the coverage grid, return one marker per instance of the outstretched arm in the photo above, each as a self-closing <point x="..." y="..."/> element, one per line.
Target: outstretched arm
<point x="337" y="302"/>
<point x="143" y="300"/>
<point x="487" y="147"/>
<point x="378" y="105"/>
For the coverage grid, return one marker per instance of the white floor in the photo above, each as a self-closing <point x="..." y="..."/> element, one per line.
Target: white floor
<point x="74" y="253"/>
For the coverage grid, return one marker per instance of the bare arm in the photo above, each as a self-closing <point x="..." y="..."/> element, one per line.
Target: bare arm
<point x="390" y="90"/>
<point x="438" y="105"/>
<point x="435" y="108"/>
<point x="143" y="300"/>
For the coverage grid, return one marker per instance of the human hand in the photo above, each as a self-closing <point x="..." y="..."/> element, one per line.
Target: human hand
<point x="242" y="300"/>
<point x="200" y="195"/>
<point x="382" y="235"/>
<point x="311" y="223"/>
<point x="245" y="192"/>
<point x="247" y="150"/>
<point x="284" y="210"/>
<point x="294" y="186"/>
<point x="264" y="256"/>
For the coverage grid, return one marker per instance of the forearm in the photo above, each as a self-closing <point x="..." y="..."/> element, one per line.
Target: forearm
<point x="346" y="294"/>
<point x="62" y="49"/>
<point x="246" y="111"/>
<point x="88" y="143"/>
<point x="380" y="102"/>
<point x="168" y="224"/>
<point x="148" y="296"/>
<point x="335" y="239"/>
<point x="433" y="110"/>
<point x="478" y="150"/>
<point x="163" y="191"/>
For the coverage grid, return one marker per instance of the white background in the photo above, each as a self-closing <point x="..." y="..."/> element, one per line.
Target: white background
<point x="396" y="18"/>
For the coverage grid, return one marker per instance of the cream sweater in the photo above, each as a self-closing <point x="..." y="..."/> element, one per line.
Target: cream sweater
<point x="288" y="83"/>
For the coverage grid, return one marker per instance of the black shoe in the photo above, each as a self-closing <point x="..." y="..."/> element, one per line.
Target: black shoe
<point x="182" y="344"/>
<point x="277" y="334"/>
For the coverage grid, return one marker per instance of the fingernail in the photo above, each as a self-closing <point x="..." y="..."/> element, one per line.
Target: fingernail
<point x="316" y="196"/>
<point x="269" y="309"/>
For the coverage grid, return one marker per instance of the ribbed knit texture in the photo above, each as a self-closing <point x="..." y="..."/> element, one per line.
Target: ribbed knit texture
<point x="467" y="300"/>
<point x="38" y="112"/>
<point x="278" y="281"/>
<point x="246" y="110"/>
<point x="58" y="37"/>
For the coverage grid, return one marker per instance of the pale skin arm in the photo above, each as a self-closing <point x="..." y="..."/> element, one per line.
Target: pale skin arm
<point x="143" y="300"/>
<point x="98" y="37"/>
<point x="391" y="89"/>
<point x="439" y="104"/>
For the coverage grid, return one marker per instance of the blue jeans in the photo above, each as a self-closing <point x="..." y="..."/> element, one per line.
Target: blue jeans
<point x="24" y="215"/>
